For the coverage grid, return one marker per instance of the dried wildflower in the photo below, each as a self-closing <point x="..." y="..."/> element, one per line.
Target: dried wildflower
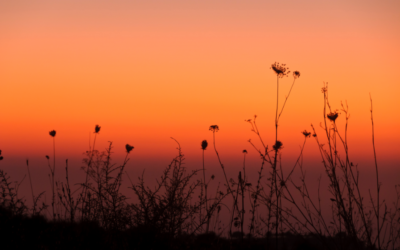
<point x="52" y="133"/>
<point x="47" y="157"/>
<point x="278" y="145"/>
<point x="315" y="135"/>
<point x="97" y="129"/>
<point x="128" y="148"/>
<point x="296" y="74"/>
<point x="245" y="151"/>
<point x="306" y="134"/>
<point x="214" y="128"/>
<point x="332" y="116"/>
<point x="1" y="158"/>
<point x="212" y="177"/>
<point x="280" y="69"/>
<point x="204" y="145"/>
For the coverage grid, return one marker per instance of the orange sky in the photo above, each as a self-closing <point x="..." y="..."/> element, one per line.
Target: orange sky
<point x="149" y="70"/>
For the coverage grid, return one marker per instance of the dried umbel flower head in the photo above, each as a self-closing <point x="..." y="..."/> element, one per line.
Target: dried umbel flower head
<point x="214" y="128"/>
<point x="52" y="133"/>
<point x="332" y="116"/>
<point x="306" y="134"/>
<point x="314" y="135"/>
<point x="47" y="157"/>
<point x="97" y="129"/>
<point x="296" y="74"/>
<point x="244" y="151"/>
<point x="324" y="88"/>
<point x="278" y="145"/>
<point x="128" y="148"/>
<point x="280" y="69"/>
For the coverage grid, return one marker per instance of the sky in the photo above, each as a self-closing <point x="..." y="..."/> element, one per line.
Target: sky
<point x="146" y="71"/>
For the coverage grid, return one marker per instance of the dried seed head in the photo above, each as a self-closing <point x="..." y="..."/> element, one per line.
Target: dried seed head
<point x="280" y="69"/>
<point x="214" y="128"/>
<point x="332" y="116"/>
<point x="278" y="145"/>
<point x="52" y="133"/>
<point x="244" y="151"/>
<point x="47" y="157"/>
<point x="204" y="144"/>
<point x="296" y="74"/>
<point x="97" y="129"/>
<point x="306" y="134"/>
<point x="128" y="148"/>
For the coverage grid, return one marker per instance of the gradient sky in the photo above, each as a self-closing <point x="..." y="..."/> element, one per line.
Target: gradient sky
<point x="148" y="70"/>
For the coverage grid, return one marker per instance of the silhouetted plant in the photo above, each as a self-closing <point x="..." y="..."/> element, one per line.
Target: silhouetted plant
<point x="204" y="145"/>
<point x="9" y="195"/>
<point x="52" y="172"/>
<point x="89" y="163"/>
<point x="105" y="204"/>
<point x="66" y="197"/>
<point x="170" y="211"/>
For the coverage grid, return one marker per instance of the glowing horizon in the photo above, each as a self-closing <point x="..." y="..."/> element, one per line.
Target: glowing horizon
<point x="146" y="72"/>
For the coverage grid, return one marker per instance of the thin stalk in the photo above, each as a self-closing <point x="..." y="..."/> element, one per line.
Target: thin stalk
<point x="205" y="195"/>
<point x="377" y="176"/>
<point x="287" y="97"/>
<point x="275" y="161"/>
<point x="30" y="181"/>
<point x="87" y="175"/>
<point x="53" y="176"/>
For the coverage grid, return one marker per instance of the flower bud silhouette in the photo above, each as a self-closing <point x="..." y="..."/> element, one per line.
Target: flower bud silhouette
<point x="97" y="129"/>
<point x="204" y="145"/>
<point x="52" y="133"/>
<point x="128" y="148"/>
<point x="296" y="74"/>
<point x="332" y="116"/>
<point x="306" y="134"/>
<point x="277" y="145"/>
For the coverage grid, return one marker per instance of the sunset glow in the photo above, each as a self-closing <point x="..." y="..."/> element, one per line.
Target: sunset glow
<point x="150" y="70"/>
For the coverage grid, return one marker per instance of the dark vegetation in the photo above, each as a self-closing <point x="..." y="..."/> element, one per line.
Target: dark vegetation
<point x="276" y="212"/>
